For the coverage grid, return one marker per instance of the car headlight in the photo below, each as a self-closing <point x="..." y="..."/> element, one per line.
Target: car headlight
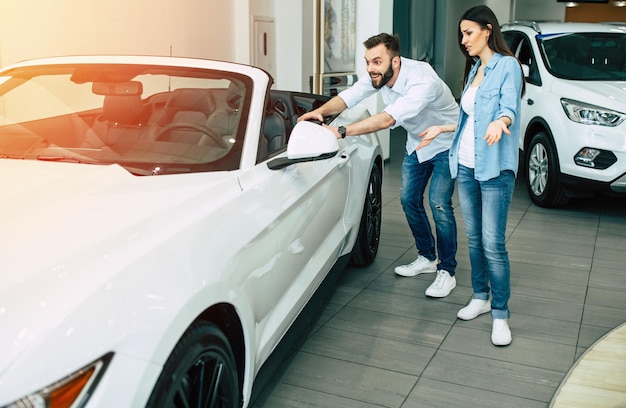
<point x="72" y="391"/>
<point x="586" y="114"/>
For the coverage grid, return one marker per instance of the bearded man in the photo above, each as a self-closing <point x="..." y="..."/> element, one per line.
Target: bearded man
<point x="415" y="98"/>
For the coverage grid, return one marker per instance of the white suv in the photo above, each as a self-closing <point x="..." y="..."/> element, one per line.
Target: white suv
<point x="573" y="138"/>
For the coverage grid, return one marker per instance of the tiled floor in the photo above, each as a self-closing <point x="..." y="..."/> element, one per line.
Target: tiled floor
<point x="381" y="343"/>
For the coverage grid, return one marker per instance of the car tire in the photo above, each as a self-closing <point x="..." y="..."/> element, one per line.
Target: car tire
<point x="542" y="173"/>
<point x="368" y="238"/>
<point x="201" y="371"/>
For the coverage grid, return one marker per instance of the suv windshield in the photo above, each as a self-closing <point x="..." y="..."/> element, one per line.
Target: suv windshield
<point x="585" y="56"/>
<point x="150" y="119"/>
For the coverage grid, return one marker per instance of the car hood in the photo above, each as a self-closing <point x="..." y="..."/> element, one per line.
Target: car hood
<point x="68" y="228"/>
<point x="601" y="93"/>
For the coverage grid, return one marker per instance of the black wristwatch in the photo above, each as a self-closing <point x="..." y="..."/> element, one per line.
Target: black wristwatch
<point x="342" y="131"/>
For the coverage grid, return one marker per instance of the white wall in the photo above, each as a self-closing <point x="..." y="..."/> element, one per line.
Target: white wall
<point x="539" y="10"/>
<point x="502" y="9"/>
<point x="39" y="28"/>
<point x="373" y="17"/>
<point x="240" y="31"/>
<point x="291" y="47"/>
<point x="454" y="62"/>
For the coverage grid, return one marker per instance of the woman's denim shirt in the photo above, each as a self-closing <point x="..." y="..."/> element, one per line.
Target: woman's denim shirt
<point x="499" y="95"/>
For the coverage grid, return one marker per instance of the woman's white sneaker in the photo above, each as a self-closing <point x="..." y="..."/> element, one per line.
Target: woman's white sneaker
<point x="500" y="333"/>
<point x="475" y="308"/>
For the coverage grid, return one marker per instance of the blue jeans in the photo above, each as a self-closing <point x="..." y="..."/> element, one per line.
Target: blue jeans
<point x="415" y="176"/>
<point x="485" y="207"/>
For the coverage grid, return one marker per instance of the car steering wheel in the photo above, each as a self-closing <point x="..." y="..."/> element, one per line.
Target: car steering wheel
<point x="212" y="134"/>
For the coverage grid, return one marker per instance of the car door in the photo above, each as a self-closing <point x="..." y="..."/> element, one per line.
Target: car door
<point x="520" y="45"/>
<point x="297" y="221"/>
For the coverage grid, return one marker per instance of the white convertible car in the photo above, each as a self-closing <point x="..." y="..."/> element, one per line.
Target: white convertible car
<point x="165" y="220"/>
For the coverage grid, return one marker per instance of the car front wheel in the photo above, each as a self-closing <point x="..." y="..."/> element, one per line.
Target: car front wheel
<point x="368" y="239"/>
<point x="542" y="169"/>
<point x="200" y="372"/>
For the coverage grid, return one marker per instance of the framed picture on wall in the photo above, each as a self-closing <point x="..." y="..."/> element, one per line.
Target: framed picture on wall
<point x="339" y="36"/>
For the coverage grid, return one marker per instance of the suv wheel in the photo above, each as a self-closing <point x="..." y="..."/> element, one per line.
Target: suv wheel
<point x="542" y="169"/>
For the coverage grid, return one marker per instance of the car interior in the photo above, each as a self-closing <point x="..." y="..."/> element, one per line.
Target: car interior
<point x="146" y="117"/>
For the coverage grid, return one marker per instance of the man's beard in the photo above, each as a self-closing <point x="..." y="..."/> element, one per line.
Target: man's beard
<point x="384" y="78"/>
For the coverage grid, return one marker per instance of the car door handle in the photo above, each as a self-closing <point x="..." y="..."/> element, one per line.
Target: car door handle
<point x="530" y="101"/>
<point x="344" y="157"/>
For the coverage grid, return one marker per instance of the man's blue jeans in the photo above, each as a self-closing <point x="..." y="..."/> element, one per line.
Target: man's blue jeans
<point x="485" y="207"/>
<point x="415" y="177"/>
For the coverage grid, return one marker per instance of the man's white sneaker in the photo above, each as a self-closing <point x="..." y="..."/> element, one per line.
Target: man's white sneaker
<point x="475" y="308"/>
<point x="442" y="286"/>
<point x="500" y="333"/>
<point x="420" y="265"/>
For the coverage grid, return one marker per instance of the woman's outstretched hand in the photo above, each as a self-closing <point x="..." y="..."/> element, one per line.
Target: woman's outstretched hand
<point x="428" y="135"/>
<point x="495" y="130"/>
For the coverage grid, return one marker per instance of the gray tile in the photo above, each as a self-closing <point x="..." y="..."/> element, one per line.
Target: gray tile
<point x="608" y="298"/>
<point x="613" y="227"/>
<point x="590" y="334"/>
<point x="390" y="252"/>
<point x="531" y="327"/>
<point x="396" y="239"/>
<point x="553" y="224"/>
<point x="391" y="283"/>
<point x="442" y="394"/>
<point x="523" y="351"/>
<point x="608" y="274"/>
<point x="545" y="307"/>
<point x="409" y="306"/>
<point x="489" y="374"/>
<point x="289" y="396"/>
<point x="361" y="277"/>
<point x="550" y="274"/>
<point x="530" y="242"/>
<point x="391" y="327"/>
<point x="609" y="254"/>
<point x="612" y="240"/>
<point x="370" y="350"/>
<point x="343" y="294"/>
<point x="603" y="316"/>
<point x="553" y="290"/>
<point x="549" y="260"/>
<point x="348" y="380"/>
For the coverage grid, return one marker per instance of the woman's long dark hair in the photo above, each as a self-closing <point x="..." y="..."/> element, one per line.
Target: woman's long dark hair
<point x="484" y="17"/>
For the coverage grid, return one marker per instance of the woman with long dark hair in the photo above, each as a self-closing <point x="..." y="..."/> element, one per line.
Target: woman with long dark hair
<point x="484" y="160"/>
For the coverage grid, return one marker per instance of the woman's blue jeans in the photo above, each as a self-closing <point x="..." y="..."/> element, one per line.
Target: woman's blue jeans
<point x="485" y="207"/>
<point x="415" y="177"/>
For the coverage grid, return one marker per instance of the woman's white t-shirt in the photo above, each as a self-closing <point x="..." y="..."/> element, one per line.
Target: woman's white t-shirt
<point x="466" y="150"/>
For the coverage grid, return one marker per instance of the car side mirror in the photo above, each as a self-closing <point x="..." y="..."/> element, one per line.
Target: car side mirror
<point x="308" y="142"/>
<point x="526" y="70"/>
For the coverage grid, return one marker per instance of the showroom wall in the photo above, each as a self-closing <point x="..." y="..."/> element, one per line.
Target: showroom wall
<point x="194" y="27"/>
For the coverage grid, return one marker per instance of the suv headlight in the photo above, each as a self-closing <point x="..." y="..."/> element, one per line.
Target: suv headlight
<point x="586" y="114"/>
<point x="72" y="391"/>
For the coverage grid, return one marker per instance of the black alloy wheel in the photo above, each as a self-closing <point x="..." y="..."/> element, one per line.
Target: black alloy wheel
<point x="368" y="239"/>
<point x="200" y="372"/>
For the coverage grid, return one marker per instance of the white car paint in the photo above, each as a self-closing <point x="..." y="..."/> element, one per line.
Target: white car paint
<point x="98" y="260"/>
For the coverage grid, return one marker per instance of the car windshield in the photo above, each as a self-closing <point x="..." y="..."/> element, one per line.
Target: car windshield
<point x="585" y="56"/>
<point x="150" y="119"/>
